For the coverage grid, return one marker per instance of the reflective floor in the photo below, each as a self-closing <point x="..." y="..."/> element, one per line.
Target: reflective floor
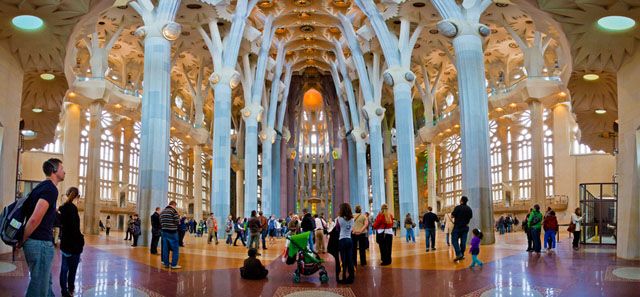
<point x="111" y="267"/>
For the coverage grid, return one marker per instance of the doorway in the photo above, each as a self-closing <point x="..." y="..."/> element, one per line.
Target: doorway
<point x="599" y="205"/>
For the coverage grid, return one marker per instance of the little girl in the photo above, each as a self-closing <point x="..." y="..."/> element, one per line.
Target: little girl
<point x="475" y="247"/>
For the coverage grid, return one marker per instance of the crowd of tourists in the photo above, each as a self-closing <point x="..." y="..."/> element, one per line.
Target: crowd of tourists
<point x="345" y="238"/>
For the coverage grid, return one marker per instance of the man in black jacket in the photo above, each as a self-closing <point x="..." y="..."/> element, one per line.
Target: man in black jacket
<point x="308" y="224"/>
<point x="461" y="215"/>
<point x="156" y="229"/>
<point x="429" y="221"/>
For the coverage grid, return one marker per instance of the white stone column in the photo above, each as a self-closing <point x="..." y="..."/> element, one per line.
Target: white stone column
<point x="158" y="30"/>
<point x="71" y="144"/>
<point x="431" y="177"/>
<point x="504" y="158"/>
<point x="92" y="189"/>
<point x="628" y="162"/>
<point x="239" y="193"/>
<point x="538" y="193"/>
<point x="462" y="23"/>
<point x="197" y="183"/>
<point x="389" y="179"/>
<point x="564" y="165"/>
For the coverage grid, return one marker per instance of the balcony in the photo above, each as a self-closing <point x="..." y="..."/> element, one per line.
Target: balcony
<point x="549" y="90"/>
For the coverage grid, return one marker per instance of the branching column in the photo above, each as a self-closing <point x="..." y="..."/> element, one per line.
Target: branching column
<point x="397" y="53"/>
<point x="251" y="113"/>
<point x="462" y="24"/>
<point x="197" y="183"/>
<point x="223" y="79"/>
<point x="431" y="176"/>
<point x="92" y="189"/>
<point x="538" y="194"/>
<point x="156" y="105"/>
<point x="71" y="143"/>
<point x="271" y="203"/>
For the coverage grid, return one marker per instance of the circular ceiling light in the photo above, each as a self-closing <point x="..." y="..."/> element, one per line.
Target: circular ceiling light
<point x="36" y="110"/>
<point x="27" y="22"/>
<point x="601" y="111"/>
<point x="590" y="76"/>
<point x="28" y="133"/>
<point x="47" y="76"/>
<point x="616" y="23"/>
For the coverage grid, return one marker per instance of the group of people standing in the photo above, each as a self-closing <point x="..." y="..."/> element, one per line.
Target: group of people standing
<point x="535" y="223"/>
<point x="349" y="234"/>
<point x="37" y="240"/>
<point x="506" y="224"/>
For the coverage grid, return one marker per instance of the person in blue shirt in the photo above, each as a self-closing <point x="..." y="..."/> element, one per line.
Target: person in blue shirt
<point x="37" y="239"/>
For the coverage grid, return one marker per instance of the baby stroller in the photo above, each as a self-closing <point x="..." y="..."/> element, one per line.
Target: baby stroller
<point x="308" y="262"/>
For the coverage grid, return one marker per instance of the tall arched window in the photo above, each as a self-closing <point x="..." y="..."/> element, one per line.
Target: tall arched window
<point x="523" y="157"/>
<point x="548" y="153"/>
<point x="495" y="150"/>
<point x="107" y="144"/>
<point x="134" y="163"/>
<point x="178" y="172"/>
<point x="450" y="170"/>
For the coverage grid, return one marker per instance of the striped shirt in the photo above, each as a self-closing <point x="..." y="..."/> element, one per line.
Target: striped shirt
<point x="169" y="219"/>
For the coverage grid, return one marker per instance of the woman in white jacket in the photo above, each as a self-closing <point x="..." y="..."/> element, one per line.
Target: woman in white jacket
<point x="576" y="219"/>
<point x="448" y="226"/>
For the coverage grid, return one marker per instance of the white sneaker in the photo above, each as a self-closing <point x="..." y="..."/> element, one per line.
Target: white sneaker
<point x="176" y="267"/>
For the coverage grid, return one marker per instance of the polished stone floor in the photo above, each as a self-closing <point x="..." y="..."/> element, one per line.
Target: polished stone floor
<point x="110" y="267"/>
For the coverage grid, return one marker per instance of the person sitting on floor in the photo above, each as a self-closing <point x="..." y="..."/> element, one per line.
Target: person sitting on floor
<point x="253" y="268"/>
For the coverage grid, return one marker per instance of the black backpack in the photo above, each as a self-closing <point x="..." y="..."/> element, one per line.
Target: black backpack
<point x="12" y="221"/>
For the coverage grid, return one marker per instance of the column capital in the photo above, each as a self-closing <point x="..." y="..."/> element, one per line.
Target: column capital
<point x="95" y="108"/>
<point x="268" y="134"/>
<point x="454" y="28"/>
<point x="226" y="75"/>
<point x="397" y="74"/>
<point x="359" y="135"/>
<point x="252" y="111"/>
<point x="374" y="111"/>
<point x="286" y="134"/>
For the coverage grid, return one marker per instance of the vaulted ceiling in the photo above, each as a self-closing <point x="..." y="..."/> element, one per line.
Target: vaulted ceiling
<point x="309" y="28"/>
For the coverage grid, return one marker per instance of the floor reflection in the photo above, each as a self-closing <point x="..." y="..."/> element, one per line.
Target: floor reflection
<point x="110" y="267"/>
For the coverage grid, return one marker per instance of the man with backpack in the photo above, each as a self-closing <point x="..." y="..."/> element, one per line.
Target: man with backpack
<point x="37" y="240"/>
<point x="535" y="226"/>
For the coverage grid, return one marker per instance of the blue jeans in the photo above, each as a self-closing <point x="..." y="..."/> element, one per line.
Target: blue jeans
<point x="170" y="243"/>
<point x="264" y="237"/>
<point x="68" y="273"/>
<point x="410" y="235"/>
<point x="39" y="256"/>
<point x="430" y="236"/>
<point x="550" y="239"/>
<point x="535" y="235"/>
<point x="446" y="235"/>
<point x="475" y="260"/>
<point x="459" y="238"/>
<point x="311" y="242"/>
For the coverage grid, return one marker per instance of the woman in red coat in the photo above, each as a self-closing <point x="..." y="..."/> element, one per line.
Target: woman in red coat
<point x="383" y="226"/>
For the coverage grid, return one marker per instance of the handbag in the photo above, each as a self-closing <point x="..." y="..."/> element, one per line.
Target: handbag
<point x="572" y="227"/>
